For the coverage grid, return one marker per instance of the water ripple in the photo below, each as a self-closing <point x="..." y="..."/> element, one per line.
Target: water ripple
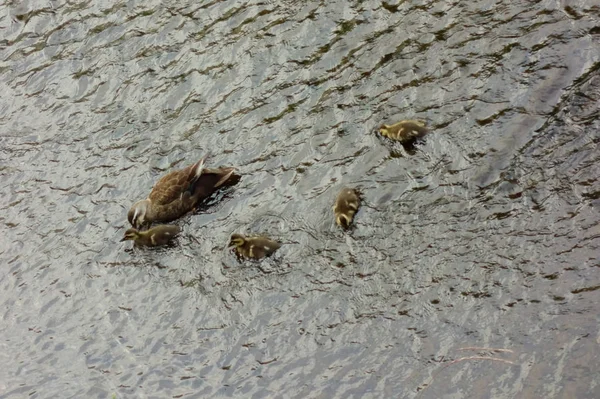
<point x="485" y="236"/>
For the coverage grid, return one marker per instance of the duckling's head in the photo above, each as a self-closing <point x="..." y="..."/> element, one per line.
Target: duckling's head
<point x="343" y="220"/>
<point x="384" y="130"/>
<point x="131" y="234"/>
<point x="137" y="213"/>
<point x="237" y="240"/>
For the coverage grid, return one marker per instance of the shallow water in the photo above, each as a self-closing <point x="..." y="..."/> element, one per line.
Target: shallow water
<point x="486" y="236"/>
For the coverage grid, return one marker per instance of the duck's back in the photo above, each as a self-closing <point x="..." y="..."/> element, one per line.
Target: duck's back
<point x="162" y="234"/>
<point x="171" y="186"/>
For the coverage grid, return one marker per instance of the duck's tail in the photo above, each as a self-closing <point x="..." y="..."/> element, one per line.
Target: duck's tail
<point x="228" y="177"/>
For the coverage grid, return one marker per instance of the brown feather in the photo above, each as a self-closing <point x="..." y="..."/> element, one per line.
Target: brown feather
<point x="211" y="180"/>
<point x="158" y="235"/>
<point x="253" y="247"/>
<point x="170" y="187"/>
<point x="180" y="192"/>
<point x="346" y="206"/>
<point x="406" y="131"/>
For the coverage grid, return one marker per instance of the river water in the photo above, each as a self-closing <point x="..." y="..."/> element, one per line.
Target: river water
<point x="486" y="235"/>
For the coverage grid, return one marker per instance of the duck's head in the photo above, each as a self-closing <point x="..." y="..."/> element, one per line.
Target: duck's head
<point x="237" y="240"/>
<point x="384" y="130"/>
<point x="130" y="234"/>
<point x="137" y="213"/>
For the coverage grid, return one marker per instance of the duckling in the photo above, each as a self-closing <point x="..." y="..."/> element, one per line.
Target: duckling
<point x="158" y="235"/>
<point x="180" y="192"/>
<point x="346" y="205"/>
<point x="406" y="132"/>
<point x="253" y="247"/>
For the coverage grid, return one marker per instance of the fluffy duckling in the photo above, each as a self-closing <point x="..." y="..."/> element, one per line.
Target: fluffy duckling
<point x="346" y="205"/>
<point x="158" y="235"/>
<point x="180" y="192"/>
<point x="253" y="247"/>
<point x="405" y="132"/>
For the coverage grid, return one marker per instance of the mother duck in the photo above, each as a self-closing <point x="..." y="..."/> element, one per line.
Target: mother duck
<point x="180" y="192"/>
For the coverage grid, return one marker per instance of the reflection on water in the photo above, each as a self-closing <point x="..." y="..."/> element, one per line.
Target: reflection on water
<point x="485" y="236"/>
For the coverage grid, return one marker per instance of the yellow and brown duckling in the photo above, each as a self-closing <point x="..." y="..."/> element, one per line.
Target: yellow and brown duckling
<point x="406" y="132"/>
<point x="180" y="192"/>
<point x="158" y="235"/>
<point x="253" y="247"/>
<point x="346" y="206"/>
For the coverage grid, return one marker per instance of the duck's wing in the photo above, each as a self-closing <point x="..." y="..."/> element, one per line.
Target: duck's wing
<point x="173" y="186"/>
<point x="168" y="230"/>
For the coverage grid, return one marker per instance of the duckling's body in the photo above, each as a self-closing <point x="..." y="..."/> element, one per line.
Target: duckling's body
<point x="346" y="206"/>
<point x="179" y="192"/>
<point x="253" y="247"/>
<point x="406" y="132"/>
<point x="158" y="235"/>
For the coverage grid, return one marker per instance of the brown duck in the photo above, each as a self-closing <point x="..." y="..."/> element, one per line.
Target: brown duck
<point x="253" y="247"/>
<point x="179" y="192"/>
<point x="406" y="132"/>
<point x="158" y="235"/>
<point x="346" y="206"/>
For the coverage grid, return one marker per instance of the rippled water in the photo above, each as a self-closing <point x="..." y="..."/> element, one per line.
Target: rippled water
<point x="486" y="236"/>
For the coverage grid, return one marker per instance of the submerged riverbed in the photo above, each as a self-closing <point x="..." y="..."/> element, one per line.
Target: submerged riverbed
<point x="486" y="236"/>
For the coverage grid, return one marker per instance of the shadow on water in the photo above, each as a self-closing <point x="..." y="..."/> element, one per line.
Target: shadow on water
<point x="471" y="269"/>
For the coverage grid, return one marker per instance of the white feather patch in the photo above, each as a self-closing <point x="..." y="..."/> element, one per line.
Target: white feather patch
<point x="200" y="168"/>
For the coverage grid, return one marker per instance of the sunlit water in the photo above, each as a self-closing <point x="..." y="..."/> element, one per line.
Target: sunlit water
<point x="486" y="236"/>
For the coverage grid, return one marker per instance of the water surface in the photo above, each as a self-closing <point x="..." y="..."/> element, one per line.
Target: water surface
<point x="486" y="236"/>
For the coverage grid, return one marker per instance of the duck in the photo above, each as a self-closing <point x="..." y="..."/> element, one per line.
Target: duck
<point x="346" y="206"/>
<point x="256" y="247"/>
<point x="180" y="192"/>
<point x="406" y="131"/>
<point x="157" y="235"/>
